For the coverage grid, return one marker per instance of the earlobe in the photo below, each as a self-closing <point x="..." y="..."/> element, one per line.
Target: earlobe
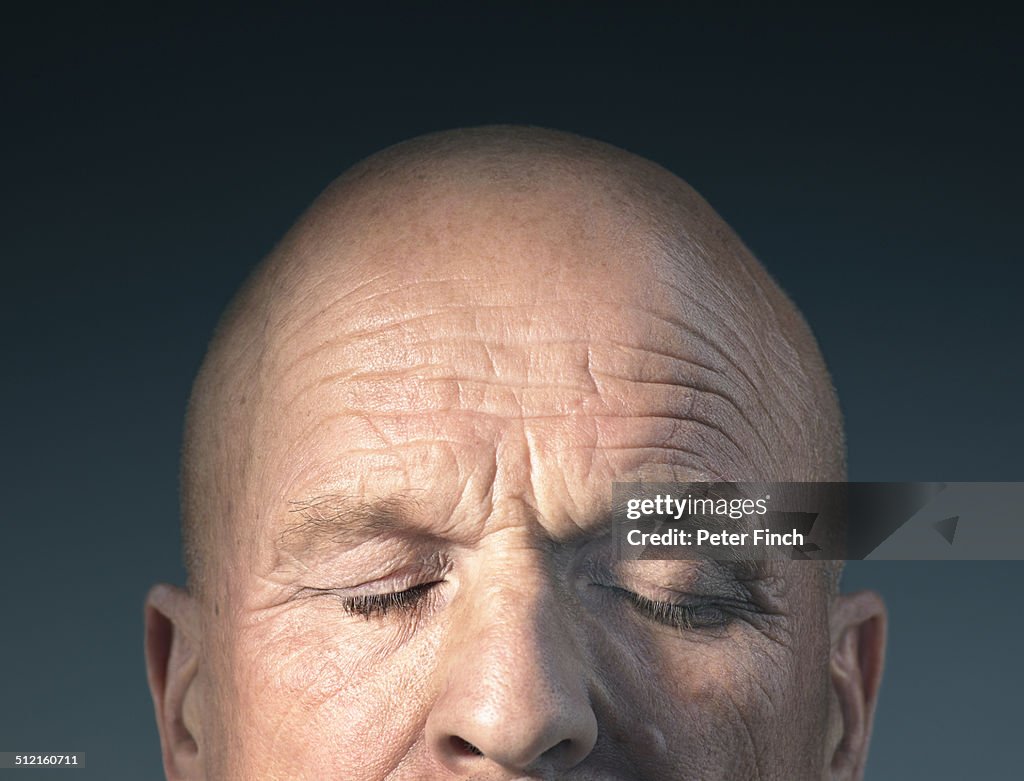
<point x="858" y="629"/>
<point x="171" y="665"/>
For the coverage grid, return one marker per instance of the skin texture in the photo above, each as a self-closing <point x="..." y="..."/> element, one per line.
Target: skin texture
<point x="427" y="391"/>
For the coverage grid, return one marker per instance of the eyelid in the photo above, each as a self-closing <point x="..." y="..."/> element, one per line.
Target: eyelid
<point x="683" y="608"/>
<point x="430" y="568"/>
<point x="671" y="581"/>
<point x="683" y="614"/>
<point x="611" y="579"/>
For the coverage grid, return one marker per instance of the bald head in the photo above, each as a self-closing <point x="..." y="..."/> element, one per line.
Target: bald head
<point x="397" y="472"/>
<point x="532" y="252"/>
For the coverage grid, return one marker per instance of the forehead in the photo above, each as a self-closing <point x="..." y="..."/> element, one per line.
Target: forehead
<point x="522" y="350"/>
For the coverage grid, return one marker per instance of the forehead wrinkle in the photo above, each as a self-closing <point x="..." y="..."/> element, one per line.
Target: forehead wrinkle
<point x="396" y="436"/>
<point x="639" y="440"/>
<point x="408" y="295"/>
<point x="409" y="282"/>
<point x="496" y="295"/>
<point x="650" y="373"/>
<point x="350" y="346"/>
<point x="675" y="319"/>
<point x="408" y="397"/>
<point x="413" y="395"/>
<point x="418" y="266"/>
<point x="405" y="398"/>
<point x="687" y="359"/>
<point x="460" y="366"/>
<point x="698" y="393"/>
<point x="354" y="341"/>
<point x="766" y="343"/>
<point x="430" y="360"/>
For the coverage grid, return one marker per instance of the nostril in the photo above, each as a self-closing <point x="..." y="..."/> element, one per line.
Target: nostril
<point x="561" y="751"/>
<point x="463" y="748"/>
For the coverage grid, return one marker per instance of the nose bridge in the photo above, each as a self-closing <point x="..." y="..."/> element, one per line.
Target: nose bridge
<point x="516" y="691"/>
<point x="519" y="637"/>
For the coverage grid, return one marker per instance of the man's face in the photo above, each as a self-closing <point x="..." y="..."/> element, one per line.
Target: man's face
<point x="417" y="583"/>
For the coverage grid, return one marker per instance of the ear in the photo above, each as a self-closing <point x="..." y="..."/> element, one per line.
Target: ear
<point x="858" y="627"/>
<point x="172" y="659"/>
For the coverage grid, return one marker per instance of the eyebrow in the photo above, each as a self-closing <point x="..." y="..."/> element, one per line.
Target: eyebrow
<point x="338" y="521"/>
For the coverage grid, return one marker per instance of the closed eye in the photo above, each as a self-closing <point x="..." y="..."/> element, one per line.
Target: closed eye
<point x="380" y="605"/>
<point x="700" y="614"/>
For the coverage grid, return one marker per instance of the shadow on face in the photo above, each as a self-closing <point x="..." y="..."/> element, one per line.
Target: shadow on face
<point x="398" y="469"/>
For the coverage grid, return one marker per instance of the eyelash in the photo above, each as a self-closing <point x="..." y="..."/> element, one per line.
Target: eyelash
<point x="379" y="605"/>
<point x="687" y="617"/>
<point x="700" y="616"/>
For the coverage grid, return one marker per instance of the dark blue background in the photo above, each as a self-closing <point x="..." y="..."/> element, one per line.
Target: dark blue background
<point x="872" y="161"/>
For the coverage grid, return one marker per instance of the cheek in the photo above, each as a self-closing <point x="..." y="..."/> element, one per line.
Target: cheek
<point x="315" y="691"/>
<point x="728" y="707"/>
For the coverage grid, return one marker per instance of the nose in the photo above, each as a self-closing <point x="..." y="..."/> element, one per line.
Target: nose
<point x="516" y="695"/>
